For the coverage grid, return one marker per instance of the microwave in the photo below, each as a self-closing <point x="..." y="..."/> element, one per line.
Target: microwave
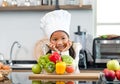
<point x="106" y="49"/>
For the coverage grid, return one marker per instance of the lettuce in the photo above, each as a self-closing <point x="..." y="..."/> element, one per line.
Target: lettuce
<point x="43" y="60"/>
<point x="67" y="59"/>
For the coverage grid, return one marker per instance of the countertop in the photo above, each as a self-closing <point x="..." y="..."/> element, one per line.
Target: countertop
<point x="22" y="77"/>
<point x="82" y="71"/>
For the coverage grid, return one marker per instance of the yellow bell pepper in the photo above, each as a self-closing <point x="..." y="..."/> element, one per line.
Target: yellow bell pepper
<point x="60" y="67"/>
<point x="60" y="82"/>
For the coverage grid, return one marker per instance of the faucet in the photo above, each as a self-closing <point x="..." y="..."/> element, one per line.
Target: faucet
<point x="11" y="50"/>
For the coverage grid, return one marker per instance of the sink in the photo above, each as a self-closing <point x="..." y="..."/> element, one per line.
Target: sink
<point x="22" y="65"/>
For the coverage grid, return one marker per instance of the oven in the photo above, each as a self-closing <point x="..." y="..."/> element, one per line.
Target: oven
<point x="106" y="49"/>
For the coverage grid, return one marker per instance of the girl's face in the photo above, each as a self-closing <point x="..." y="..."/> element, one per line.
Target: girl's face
<point x="59" y="39"/>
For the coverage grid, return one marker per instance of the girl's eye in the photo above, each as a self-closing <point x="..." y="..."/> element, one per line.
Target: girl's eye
<point x="63" y="38"/>
<point x="54" y="39"/>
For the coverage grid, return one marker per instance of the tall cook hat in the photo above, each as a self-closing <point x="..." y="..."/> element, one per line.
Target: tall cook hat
<point x="55" y="20"/>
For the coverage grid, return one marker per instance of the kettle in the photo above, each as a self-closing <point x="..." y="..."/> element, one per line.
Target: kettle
<point x="80" y="37"/>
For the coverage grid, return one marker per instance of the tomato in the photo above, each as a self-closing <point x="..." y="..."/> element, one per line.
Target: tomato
<point x="117" y="73"/>
<point x="70" y="82"/>
<point x="70" y="69"/>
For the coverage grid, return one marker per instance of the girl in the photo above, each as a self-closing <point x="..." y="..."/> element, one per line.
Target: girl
<point x="56" y="26"/>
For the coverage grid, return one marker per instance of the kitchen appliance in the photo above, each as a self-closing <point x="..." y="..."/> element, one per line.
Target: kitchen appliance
<point x="104" y="50"/>
<point x="80" y="37"/>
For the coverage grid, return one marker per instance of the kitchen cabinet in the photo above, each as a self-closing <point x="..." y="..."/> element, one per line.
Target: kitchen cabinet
<point x="45" y="8"/>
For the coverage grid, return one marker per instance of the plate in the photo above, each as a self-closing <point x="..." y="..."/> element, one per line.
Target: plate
<point x="40" y="48"/>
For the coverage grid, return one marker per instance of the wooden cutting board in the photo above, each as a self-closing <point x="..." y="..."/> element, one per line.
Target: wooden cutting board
<point x="80" y="76"/>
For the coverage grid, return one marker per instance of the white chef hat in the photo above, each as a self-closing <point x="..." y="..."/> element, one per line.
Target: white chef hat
<point x="55" y="20"/>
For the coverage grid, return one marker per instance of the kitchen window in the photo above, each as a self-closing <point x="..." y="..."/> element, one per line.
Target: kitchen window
<point x="107" y="17"/>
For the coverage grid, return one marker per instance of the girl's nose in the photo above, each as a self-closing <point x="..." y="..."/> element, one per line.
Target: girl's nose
<point x="59" y="42"/>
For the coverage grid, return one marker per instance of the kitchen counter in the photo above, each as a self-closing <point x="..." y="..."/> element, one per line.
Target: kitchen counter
<point x="22" y="77"/>
<point x="82" y="71"/>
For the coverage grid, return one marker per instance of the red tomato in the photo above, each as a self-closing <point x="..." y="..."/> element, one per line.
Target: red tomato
<point x="70" y="82"/>
<point x="70" y="69"/>
<point x="117" y="73"/>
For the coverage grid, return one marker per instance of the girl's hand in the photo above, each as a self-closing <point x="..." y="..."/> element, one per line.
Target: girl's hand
<point x="52" y="47"/>
<point x="69" y="44"/>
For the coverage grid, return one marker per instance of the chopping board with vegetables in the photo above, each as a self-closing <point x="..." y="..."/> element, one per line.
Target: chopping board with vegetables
<point x="56" y="67"/>
<point x="80" y="76"/>
<point x="54" y="63"/>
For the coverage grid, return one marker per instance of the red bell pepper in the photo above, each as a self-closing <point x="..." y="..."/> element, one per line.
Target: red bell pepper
<point x="55" y="57"/>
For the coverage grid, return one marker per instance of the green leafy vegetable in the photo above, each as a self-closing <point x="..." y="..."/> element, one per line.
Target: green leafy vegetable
<point x="104" y="36"/>
<point x="43" y="60"/>
<point x="67" y="59"/>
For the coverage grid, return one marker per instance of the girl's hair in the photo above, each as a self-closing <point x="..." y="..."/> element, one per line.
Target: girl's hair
<point x="60" y="31"/>
<point x="71" y="52"/>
